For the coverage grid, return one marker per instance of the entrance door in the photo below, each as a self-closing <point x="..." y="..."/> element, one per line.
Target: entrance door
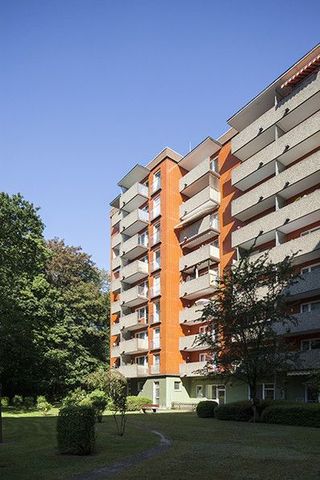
<point x="221" y="394"/>
<point x="156" y="392"/>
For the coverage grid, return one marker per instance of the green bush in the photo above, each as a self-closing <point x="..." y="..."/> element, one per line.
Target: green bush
<point x="5" y="402"/>
<point x="134" y="404"/>
<point x="76" y="430"/>
<point x="238" y="411"/>
<point x="28" y="402"/>
<point x="43" y="405"/>
<point x="99" y="401"/>
<point x="307" y="415"/>
<point x="206" y="408"/>
<point x="17" y="401"/>
<point x="74" y="398"/>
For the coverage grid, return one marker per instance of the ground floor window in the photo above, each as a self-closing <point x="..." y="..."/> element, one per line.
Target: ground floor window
<point x="140" y="386"/>
<point x="199" y="391"/>
<point x="217" y="393"/>
<point x="265" y="391"/>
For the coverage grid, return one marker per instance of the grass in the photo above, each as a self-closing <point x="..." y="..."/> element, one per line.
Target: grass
<point x="29" y="451"/>
<point x="219" y="450"/>
<point x="205" y="448"/>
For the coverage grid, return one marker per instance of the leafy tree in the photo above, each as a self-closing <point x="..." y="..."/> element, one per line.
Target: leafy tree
<point x="117" y="392"/>
<point x="245" y="317"/>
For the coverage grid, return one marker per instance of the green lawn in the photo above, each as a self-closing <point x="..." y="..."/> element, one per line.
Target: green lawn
<point x="29" y="450"/>
<point x="202" y="448"/>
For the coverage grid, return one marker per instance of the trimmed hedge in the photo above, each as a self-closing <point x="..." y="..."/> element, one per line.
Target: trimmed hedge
<point x="307" y="415"/>
<point x="135" y="404"/>
<point x="237" y="411"/>
<point x="206" y="408"/>
<point x="76" y="430"/>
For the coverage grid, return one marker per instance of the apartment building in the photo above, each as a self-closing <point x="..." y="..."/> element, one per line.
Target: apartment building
<point x="180" y="221"/>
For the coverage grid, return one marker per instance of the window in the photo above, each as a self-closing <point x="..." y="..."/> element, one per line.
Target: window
<point x="176" y="385"/>
<point x="143" y="289"/>
<point x="156" y="360"/>
<point x="214" y="165"/>
<point x="143" y="335"/>
<point x="156" y="233"/>
<point x="156" y="260"/>
<point x="140" y="386"/>
<point x="156" y="207"/>
<point x="156" y="285"/>
<point x="144" y="259"/>
<point x="311" y="344"/>
<point x="311" y="268"/>
<point x="202" y="357"/>
<point x="141" y="361"/>
<point x="142" y="314"/>
<point x="199" y="391"/>
<point x="143" y="239"/>
<point x="156" y="312"/>
<point x="265" y="391"/>
<point x="307" y="232"/>
<point x="156" y="185"/>
<point x="310" y="307"/>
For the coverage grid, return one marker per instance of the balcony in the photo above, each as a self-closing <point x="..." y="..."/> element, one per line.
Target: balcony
<point x="116" y="262"/>
<point x="116" y="217"/>
<point x="134" y="247"/>
<point x="200" y="257"/>
<point x="190" y="343"/>
<point x="115" y="307"/>
<point x="115" y="240"/>
<point x="134" y="222"/>
<point x="134" y="197"/>
<point x="307" y="286"/>
<point x="204" y="201"/>
<point x="134" y="296"/>
<point x="198" y="178"/>
<point x="301" y="103"/>
<point x="115" y="328"/>
<point x="192" y="369"/>
<point x="115" y="285"/>
<point x="308" y="360"/>
<point x="200" y="286"/>
<point x="307" y="248"/>
<point x="154" y="369"/>
<point x="132" y="322"/>
<point x="293" y="216"/>
<point x="302" y="139"/>
<point x="306" y="322"/>
<point x="134" y="370"/>
<point x="190" y="316"/>
<point x="115" y="351"/>
<point x="134" y="345"/>
<point x="286" y="184"/>
<point x="200" y="231"/>
<point x="135" y="271"/>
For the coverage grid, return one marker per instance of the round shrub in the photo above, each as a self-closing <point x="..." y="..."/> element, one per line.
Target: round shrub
<point x="237" y="411"/>
<point x="43" y="405"/>
<point x="206" y="408"/>
<point x="74" y="398"/>
<point x="28" y="402"/>
<point x="75" y="430"/>
<point x="135" y="404"/>
<point x="307" y="415"/>
<point x="5" y="402"/>
<point x="99" y="401"/>
<point x="17" y="401"/>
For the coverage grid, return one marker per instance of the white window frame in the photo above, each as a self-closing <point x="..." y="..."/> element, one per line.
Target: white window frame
<point x="156" y="181"/>
<point x="202" y="357"/>
<point x="307" y="232"/>
<point x="145" y="361"/>
<point x="175" y="382"/>
<point x="308" y="269"/>
<point x="309" y="306"/>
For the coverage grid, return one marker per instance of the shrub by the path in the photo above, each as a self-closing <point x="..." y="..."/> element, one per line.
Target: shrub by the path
<point x="17" y="401"/>
<point x="76" y="430"/>
<point x="5" y="402"/>
<point x="134" y="404"/>
<point x="237" y="411"/>
<point x="206" y="408"/>
<point x="43" y="405"/>
<point x="307" y="415"/>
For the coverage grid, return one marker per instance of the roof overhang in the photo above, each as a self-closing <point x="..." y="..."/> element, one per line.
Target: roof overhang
<point x="167" y="152"/>
<point x="136" y="174"/>
<point x="265" y="99"/>
<point x="115" y="202"/>
<point x="205" y="149"/>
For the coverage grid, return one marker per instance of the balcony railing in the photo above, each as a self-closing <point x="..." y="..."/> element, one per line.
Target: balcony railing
<point x="191" y="343"/>
<point x="154" y="369"/>
<point x="134" y="296"/>
<point x="133" y="321"/>
<point x="134" y="197"/>
<point x="115" y="307"/>
<point x="201" y="203"/>
<point x="134" y="222"/>
<point x="116" y="262"/>
<point x="134" y="345"/>
<point x="115" y="328"/>
<point x="134" y="370"/>
<point x="190" y="316"/>
<point x="192" y="369"/>
<point x="155" y="344"/>
<point x="134" y="246"/>
<point x="155" y="291"/>
<point x="203" y="229"/>
<point x="116" y="217"/>
<point x="202" y="170"/>
<point x="115" y="351"/>
<point x="203" y="285"/>
<point x="135" y="271"/>
<point x="203" y="254"/>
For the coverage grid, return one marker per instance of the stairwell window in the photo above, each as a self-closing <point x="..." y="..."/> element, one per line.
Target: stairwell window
<point x="156" y="184"/>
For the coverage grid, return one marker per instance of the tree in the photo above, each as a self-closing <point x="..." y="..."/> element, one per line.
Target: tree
<point x="117" y="392"/>
<point x="245" y="317"/>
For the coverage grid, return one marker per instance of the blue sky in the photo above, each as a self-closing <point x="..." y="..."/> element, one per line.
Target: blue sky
<point x="89" y="88"/>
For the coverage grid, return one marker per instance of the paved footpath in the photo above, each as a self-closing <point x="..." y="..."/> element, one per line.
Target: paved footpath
<point x="110" y="470"/>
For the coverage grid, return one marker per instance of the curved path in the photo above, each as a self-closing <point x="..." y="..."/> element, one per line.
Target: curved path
<point x="110" y="470"/>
